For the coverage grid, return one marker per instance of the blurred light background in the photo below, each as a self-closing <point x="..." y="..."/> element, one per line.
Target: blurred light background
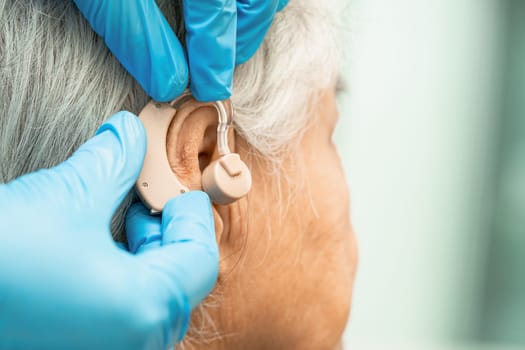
<point x="433" y="139"/>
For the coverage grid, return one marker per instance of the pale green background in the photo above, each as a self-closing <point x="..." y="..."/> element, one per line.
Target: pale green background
<point x="432" y="135"/>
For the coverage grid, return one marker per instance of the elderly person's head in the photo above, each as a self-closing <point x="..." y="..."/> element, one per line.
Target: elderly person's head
<point x="287" y="250"/>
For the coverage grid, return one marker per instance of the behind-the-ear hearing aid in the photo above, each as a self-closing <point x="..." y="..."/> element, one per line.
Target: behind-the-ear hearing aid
<point x="225" y="180"/>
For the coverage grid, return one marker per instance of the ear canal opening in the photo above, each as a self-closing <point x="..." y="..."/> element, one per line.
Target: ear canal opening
<point x="208" y="147"/>
<point x="204" y="160"/>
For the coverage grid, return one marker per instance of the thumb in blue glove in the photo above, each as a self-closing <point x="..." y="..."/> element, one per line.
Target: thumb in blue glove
<point x="54" y="228"/>
<point x="219" y="35"/>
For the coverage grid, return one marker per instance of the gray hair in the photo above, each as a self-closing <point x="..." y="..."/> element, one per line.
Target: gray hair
<point x="59" y="82"/>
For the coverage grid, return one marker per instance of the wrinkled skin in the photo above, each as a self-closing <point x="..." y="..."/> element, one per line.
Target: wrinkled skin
<point x="288" y="257"/>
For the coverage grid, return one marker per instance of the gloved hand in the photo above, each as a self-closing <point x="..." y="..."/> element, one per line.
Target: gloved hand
<point x="220" y="34"/>
<point x="64" y="284"/>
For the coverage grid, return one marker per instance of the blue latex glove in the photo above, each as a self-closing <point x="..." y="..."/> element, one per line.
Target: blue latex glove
<point x="220" y="34"/>
<point x="64" y="283"/>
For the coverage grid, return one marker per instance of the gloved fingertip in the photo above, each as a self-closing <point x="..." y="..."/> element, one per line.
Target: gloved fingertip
<point x="196" y="204"/>
<point x="206" y="94"/>
<point x="189" y="252"/>
<point x="143" y="231"/>
<point x="243" y="55"/>
<point x="282" y="4"/>
<point x="137" y="209"/>
<point x="188" y="219"/>
<point x="131" y="136"/>
<point x="122" y="246"/>
<point x="124" y="124"/>
<point x="168" y="89"/>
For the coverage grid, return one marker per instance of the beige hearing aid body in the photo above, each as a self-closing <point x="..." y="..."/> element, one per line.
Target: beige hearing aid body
<point x="225" y="180"/>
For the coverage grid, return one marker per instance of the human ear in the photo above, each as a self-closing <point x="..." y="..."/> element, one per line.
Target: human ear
<point x="201" y="155"/>
<point x="191" y="142"/>
<point x="190" y="147"/>
<point x="227" y="178"/>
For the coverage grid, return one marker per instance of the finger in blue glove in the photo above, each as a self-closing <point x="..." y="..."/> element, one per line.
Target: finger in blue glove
<point x="68" y="285"/>
<point x="140" y="37"/>
<point x="219" y="35"/>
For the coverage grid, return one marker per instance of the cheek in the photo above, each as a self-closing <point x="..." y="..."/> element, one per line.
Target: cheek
<point x="329" y="191"/>
<point x="330" y="241"/>
<point x="296" y="253"/>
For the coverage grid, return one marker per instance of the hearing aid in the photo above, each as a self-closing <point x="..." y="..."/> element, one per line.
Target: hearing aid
<point x="225" y="180"/>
